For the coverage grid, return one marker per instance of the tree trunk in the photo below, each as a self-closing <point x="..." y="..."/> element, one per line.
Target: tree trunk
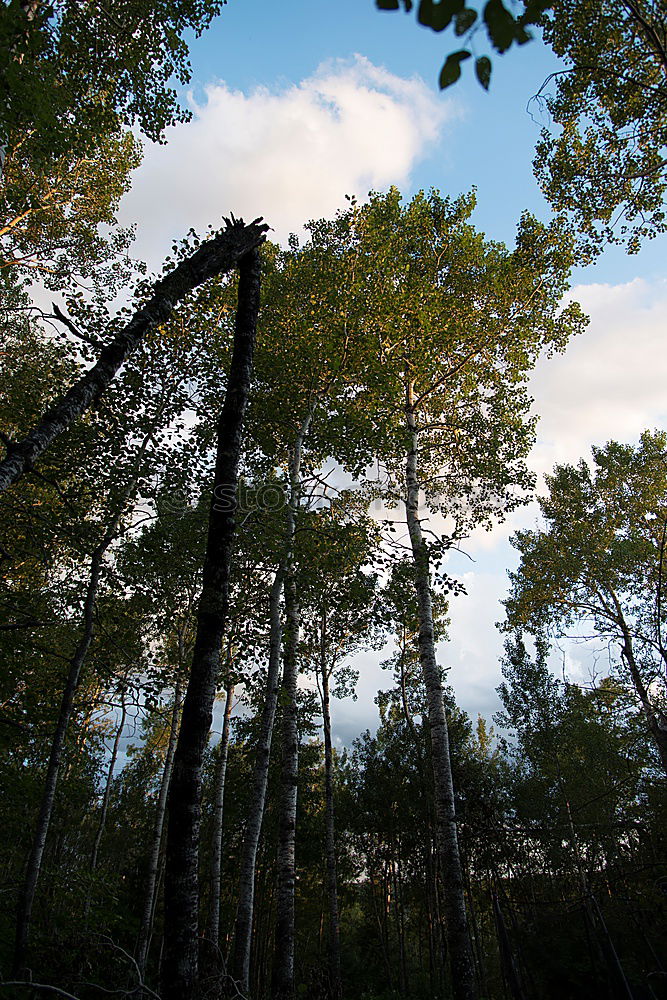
<point x="213" y="257"/>
<point x="146" y="926"/>
<point x="460" y="958"/>
<point x="107" y="791"/>
<point x="240" y="966"/>
<point x="655" y="718"/>
<point x="180" y="968"/>
<point x="34" y="864"/>
<point x="218" y="816"/>
<point x="283" y="963"/>
<point x="283" y="967"/>
<point x="507" y="962"/>
<point x="332" y="882"/>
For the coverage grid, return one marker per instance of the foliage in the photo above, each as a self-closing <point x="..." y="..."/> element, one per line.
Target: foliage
<point x="503" y="28"/>
<point x="603" y="161"/>
<point x="598" y="564"/>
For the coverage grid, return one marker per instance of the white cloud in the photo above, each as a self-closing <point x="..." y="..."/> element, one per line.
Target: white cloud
<point x="290" y="154"/>
<point x="610" y="383"/>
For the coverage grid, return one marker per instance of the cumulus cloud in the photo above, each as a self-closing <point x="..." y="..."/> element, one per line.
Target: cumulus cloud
<point x="289" y="154"/>
<point x="610" y="383"/>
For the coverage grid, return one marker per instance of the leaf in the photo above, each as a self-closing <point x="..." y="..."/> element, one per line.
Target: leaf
<point x="483" y="71"/>
<point x="438" y="15"/>
<point x="501" y="25"/>
<point x="451" y="70"/>
<point x="386" y="4"/>
<point x="464" y="20"/>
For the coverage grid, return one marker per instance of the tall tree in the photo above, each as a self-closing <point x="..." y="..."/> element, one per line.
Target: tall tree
<point x="443" y="397"/>
<point x="180" y="961"/>
<point x="599" y="564"/>
<point x="340" y="619"/>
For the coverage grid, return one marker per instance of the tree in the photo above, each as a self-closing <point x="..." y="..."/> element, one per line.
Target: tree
<point x="70" y="74"/>
<point x="599" y="565"/>
<point x="215" y="256"/>
<point x="179" y="971"/>
<point x="575" y="781"/>
<point x="340" y="619"/>
<point x="605" y="162"/>
<point x="454" y="324"/>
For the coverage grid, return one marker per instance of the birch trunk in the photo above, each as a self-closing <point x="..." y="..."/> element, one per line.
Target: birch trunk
<point x="215" y="256"/>
<point x="283" y="965"/>
<point x="218" y="822"/>
<point x="332" y="880"/>
<point x="147" y="914"/>
<point x="240" y="966"/>
<point x="460" y="958"/>
<point x="180" y="966"/>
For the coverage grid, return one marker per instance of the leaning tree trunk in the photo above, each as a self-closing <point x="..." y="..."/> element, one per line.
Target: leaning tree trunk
<point x="213" y="929"/>
<point x="180" y="967"/>
<point x="240" y="965"/>
<point x="460" y="957"/>
<point x="148" y="911"/>
<point x="330" y="838"/>
<point x="215" y="256"/>
<point x="34" y="864"/>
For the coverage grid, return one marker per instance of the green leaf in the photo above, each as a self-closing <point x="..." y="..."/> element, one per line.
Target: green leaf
<point x="451" y="70"/>
<point x="501" y="25"/>
<point x="464" y="20"/>
<point x="483" y="71"/>
<point x="387" y="4"/>
<point x="438" y="15"/>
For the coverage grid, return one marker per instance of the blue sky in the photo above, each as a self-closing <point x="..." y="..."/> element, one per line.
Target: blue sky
<point x="297" y="104"/>
<point x="258" y="43"/>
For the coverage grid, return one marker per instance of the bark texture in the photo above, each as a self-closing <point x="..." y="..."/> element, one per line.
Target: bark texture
<point x="460" y="956"/>
<point x="214" y="257"/>
<point x="240" y="966"/>
<point x="180" y="970"/>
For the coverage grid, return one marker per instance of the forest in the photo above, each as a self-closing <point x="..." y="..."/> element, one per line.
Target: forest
<point x="226" y="486"/>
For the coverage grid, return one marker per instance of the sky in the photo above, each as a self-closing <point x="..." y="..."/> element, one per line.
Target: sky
<point x="299" y="103"/>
